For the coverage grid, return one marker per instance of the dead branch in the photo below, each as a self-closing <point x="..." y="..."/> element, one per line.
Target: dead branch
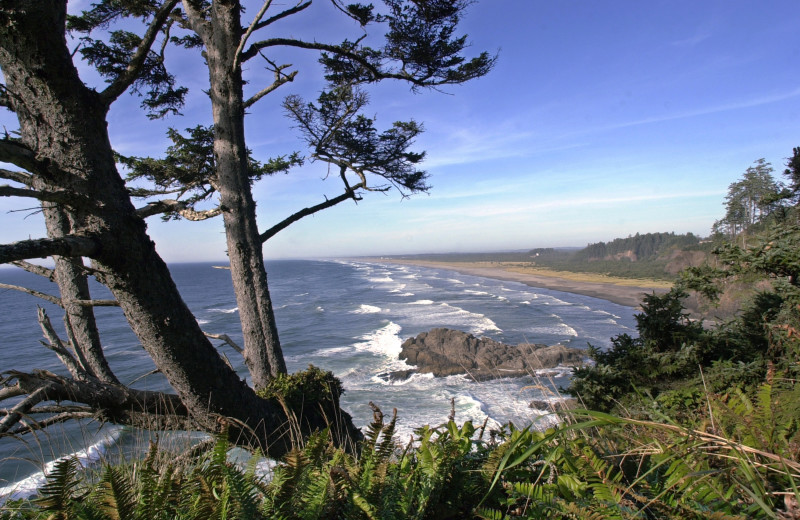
<point x="44" y="423"/>
<point x="176" y="206"/>
<point x="44" y="247"/>
<point x="248" y="32"/>
<point x="109" y="402"/>
<point x="50" y="274"/>
<point x="227" y="339"/>
<point x="11" y="391"/>
<point x="55" y="344"/>
<point x="22" y="408"/>
<point x="46" y="297"/>
<point x="20" y="177"/>
<point x="291" y="219"/>
<point x="18" y="154"/>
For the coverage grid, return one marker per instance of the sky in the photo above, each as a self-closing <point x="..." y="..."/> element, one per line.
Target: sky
<point x="600" y="120"/>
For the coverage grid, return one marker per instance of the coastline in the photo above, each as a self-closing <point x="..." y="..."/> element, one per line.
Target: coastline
<point x="620" y="291"/>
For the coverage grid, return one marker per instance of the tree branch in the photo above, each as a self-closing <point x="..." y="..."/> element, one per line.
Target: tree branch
<point x="227" y="339"/>
<point x="20" y="177"/>
<point x="249" y="31"/>
<point x="44" y="247"/>
<point x="110" y="402"/>
<point x="349" y="194"/>
<point x="55" y="344"/>
<point x="176" y="206"/>
<point x="280" y="79"/>
<point x="44" y="296"/>
<point x="283" y="14"/>
<point x="196" y="21"/>
<point x="123" y="81"/>
<point x="59" y="197"/>
<point x="44" y="423"/>
<point x="19" y="155"/>
<point x="50" y="274"/>
<point x="22" y="408"/>
<point x="300" y="44"/>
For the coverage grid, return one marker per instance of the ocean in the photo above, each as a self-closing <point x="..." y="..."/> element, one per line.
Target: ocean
<point x="346" y="316"/>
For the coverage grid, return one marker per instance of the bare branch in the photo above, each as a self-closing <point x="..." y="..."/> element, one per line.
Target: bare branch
<point x="176" y="206"/>
<point x="41" y="425"/>
<point x="20" y="177"/>
<point x="227" y="339"/>
<point x="22" y="408"/>
<point x="290" y="42"/>
<point x="44" y="296"/>
<point x="50" y="274"/>
<point x="150" y="373"/>
<point x="58" y="197"/>
<point x="5" y="99"/>
<point x="96" y="303"/>
<point x="349" y="194"/>
<point x="44" y="247"/>
<point x="11" y="391"/>
<point x="18" y="154"/>
<point x="249" y="31"/>
<point x="111" y="402"/>
<point x="121" y="83"/>
<point x="283" y="14"/>
<point x="280" y="79"/>
<point x="55" y="344"/>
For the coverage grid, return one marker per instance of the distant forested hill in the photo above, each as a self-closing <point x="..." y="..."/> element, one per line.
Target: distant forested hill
<point x="650" y="255"/>
<point x="636" y="247"/>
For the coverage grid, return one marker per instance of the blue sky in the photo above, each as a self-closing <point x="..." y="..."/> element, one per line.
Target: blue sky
<point x="600" y="120"/>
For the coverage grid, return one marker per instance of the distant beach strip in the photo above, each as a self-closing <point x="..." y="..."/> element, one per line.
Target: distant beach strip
<point x="623" y="291"/>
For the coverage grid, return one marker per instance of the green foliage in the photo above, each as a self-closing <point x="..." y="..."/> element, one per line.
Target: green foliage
<point x="339" y="135"/>
<point x="304" y="388"/>
<point x="188" y="172"/>
<point x="593" y="465"/>
<point x="642" y="247"/>
<point x="669" y="348"/>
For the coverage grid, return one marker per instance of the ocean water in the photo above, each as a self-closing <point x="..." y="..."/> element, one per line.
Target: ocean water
<point x="347" y="316"/>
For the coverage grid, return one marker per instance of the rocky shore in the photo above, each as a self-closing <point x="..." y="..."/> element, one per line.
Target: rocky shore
<point x="446" y="352"/>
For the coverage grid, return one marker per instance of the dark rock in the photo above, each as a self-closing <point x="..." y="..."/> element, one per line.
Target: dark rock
<point x="397" y="375"/>
<point x="554" y="406"/>
<point x="445" y="352"/>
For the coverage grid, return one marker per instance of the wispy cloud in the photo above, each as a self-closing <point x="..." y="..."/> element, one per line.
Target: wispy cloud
<point x="693" y="40"/>
<point x="485" y="209"/>
<point x="738" y="105"/>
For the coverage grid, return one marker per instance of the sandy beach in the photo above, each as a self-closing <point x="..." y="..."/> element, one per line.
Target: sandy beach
<point x="622" y="291"/>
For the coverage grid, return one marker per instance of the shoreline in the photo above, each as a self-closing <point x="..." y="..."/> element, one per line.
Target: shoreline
<point x="621" y="293"/>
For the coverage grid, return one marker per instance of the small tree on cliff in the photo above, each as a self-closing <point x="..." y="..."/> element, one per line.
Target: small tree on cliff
<point x="68" y="165"/>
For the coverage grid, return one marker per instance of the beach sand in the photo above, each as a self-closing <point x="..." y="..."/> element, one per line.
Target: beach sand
<point x="620" y="291"/>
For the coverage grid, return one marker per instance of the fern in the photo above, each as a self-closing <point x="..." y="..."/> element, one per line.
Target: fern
<point x="58" y="495"/>
<point x="116" y="495"/>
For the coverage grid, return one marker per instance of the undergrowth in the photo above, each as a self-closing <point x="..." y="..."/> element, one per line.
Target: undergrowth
<point x="593" y="465"/>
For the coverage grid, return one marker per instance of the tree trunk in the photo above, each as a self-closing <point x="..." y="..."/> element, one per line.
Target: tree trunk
<point x="78" y="319"/>
<point x="63" y="123"/>
<point x="262" y="351"/>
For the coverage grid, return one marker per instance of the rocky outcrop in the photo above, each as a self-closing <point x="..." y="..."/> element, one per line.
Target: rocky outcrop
<point x="445" y="352"/>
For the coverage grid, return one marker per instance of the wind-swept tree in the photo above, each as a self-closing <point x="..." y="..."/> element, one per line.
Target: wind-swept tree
<point x="420" y="48"/>
<point x="65" y="161"/>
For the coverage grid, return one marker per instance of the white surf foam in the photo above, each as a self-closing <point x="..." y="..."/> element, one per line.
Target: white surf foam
<point x="366" y="309"/>
<point x="385" y="341"/>
<point x="87" y="457"/>
<point x="226" y="311"/>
